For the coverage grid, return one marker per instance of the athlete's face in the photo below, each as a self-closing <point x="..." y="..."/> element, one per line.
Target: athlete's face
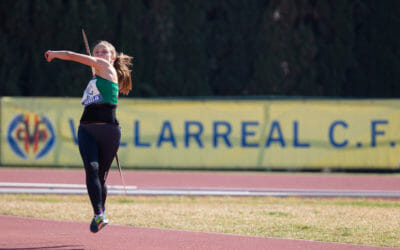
<point x="104" y="52"/>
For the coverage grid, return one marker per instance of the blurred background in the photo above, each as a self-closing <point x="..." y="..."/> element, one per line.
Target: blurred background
<point x="194" y="48"/>
<point x="253" y="84"/>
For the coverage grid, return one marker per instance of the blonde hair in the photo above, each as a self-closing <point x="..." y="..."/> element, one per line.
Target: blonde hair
<point x="122" y="65"/>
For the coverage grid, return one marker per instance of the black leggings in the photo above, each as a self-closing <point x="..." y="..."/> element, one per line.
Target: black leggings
<point x="98" y="144"/>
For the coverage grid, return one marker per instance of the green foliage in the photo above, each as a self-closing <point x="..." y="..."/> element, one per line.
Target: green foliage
<point x="208" y="48"/>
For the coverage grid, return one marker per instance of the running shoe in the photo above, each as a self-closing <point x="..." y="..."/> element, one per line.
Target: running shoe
<point x="98" y="222"/>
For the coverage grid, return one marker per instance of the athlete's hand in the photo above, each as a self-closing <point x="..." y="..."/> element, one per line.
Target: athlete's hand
<point x="49" y="55"/>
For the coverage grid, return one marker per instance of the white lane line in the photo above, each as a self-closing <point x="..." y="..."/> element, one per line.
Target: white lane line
<point x="47" y="188"/>
<point x="40" y="185"/>
<point x="41" y="191"/>
<point x="276" y="193"/>
<point x="56" y="185"/>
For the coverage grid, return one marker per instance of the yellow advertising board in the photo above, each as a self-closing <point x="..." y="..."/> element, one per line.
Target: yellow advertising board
<point x="264" y="134"/>
<point x="37" y="131"/>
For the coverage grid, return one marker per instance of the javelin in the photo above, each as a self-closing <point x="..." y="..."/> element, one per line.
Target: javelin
<point x="116" y="155"/>
<point x="120" y="172"/>
<point x="87" y="47"/>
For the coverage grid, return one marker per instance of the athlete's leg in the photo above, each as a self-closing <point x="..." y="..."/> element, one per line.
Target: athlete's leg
<point x="88" y="149"/>
<point x="104" y="196"/>
<point x="108" y="147"/>
<point x="103" y="191"/>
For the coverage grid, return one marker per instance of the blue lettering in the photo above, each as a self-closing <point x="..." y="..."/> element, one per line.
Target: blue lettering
<point x="224" y="135"/>
<point x="73" y="131"/>
<point x="166" y="127"/>
<point x="136" y="136"/>
<point x="275" y="126"/>
<point x="296" y="142"/>
<point x="246" y="133"/>
<point x="375" y="132"/>
<point x="195" y="135"/>
<point x="331" y="134"/>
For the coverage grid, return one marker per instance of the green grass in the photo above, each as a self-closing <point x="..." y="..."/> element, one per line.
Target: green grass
<point x="347" y="220"/>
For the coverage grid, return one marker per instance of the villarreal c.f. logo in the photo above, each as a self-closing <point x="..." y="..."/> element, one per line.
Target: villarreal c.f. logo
<point x="31" y="136"/>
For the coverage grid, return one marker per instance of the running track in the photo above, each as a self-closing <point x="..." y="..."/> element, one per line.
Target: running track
<point x="28" y="233"/>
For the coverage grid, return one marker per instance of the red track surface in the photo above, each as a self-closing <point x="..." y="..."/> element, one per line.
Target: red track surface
<point x="26" y="233"/>
<point x="161" y="179"/>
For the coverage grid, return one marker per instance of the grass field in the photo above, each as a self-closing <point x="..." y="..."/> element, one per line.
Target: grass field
<point x="358" y="221"/>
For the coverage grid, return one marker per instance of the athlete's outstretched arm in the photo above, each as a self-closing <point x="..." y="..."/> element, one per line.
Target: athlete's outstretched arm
<point x="95" y="62"/>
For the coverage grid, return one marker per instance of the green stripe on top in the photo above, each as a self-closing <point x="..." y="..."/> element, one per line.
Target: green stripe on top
<point x="108" y="90"/>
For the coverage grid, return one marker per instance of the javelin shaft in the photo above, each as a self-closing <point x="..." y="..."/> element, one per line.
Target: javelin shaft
<point x="120" y="172"/>
<point x="87" y="47"/>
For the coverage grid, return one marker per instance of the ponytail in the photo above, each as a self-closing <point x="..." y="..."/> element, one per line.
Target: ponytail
<point x="122" y="64"/>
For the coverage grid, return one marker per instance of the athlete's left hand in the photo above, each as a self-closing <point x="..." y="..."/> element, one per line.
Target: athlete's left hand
<point x="49" y="55"/>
